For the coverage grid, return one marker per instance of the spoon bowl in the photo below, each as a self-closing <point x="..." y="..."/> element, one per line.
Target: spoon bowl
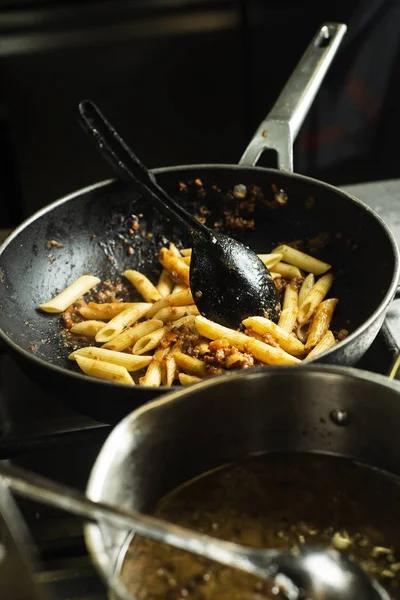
<point x="228" y="281"/>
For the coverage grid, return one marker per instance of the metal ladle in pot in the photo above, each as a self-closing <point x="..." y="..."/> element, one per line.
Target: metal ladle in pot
<point x="311" y="573"/>
<point x="229" y="282"/>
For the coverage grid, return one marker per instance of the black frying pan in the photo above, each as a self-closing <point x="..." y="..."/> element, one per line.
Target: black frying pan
<point x="93" y="223"/>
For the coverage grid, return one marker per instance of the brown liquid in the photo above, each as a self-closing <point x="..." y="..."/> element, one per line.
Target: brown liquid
<point x="277" y="500"/>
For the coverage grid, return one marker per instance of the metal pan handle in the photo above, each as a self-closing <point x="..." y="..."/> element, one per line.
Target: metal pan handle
<point x="281" y="126"/>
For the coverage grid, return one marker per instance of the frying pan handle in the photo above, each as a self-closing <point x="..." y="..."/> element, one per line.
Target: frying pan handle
<point x="281" y="126"/>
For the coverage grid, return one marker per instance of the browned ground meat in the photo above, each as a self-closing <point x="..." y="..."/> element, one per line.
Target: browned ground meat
<point x="72" y="315"/>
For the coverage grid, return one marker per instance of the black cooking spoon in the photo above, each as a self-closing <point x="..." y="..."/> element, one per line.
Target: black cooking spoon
<point x="228" y="281"/>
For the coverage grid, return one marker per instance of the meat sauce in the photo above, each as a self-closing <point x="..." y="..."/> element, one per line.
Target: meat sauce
<point x="275" y="501"/>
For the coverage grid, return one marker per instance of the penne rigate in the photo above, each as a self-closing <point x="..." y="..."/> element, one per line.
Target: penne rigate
<point x="164" y="340"/>
<point x="303" y="261"/>
<point x="104" y="370"/>
<point x="70" y="294"/>
<point x="321" y="322"/>
<point x="143" y="285"/>
<point x="290" y="309"/>
<point x="129" y="361"/>
<point x="104" y="311"/>
<point x="314" y="297"/>
<point x="120" y="322"/>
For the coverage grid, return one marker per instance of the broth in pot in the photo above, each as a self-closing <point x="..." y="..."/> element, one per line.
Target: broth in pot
<point x="277" y="500"/>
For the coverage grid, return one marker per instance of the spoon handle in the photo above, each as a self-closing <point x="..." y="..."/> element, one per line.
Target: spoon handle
<point x="121" y="157"/>
<point x="41" y="489"/>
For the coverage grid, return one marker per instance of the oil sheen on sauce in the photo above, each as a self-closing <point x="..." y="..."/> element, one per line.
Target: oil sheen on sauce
<point x="277" y="500"/>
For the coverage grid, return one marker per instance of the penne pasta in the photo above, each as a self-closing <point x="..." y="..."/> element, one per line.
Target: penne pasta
<point x="287" y="271"/>
<point x="186" y="252"/>
<point x="306" y="286"/>
<point x="129" y="336"/>
<point x="179" y="270"/>
<point x="186" y="379"/>
<point x="121" y="321"/>
<point x="70" y="294"/>
<point x="290" y="309"/>
<point x="321" y="322"/>
<point x="104" y="370"/>
<point x="303" y="261"/>
<point x="302" y="331"/>
<point x="143" y="285"/>
<point x="261" y="351"/>
<point x="172" y="313"/>
<point x="129" y="361"/>
<point x="170" y="370"/>
<point x="104" y="311"/>
<point x="270" y="260"/>
<point x="179" y="287"/>
<point x="87" y="328"/>
<point x="154" y="373"/>
<point x="181" y="298"/>
<point x="172" y="248"/>
<point x="195" y="366"/>
<point x="326" y="343"/>
<point x="314" y="297"/>
<point x="186" y="260"/>
<point x="149" y="341"/>
<point x="165" y="283"/>
<point x="288" y="342"/>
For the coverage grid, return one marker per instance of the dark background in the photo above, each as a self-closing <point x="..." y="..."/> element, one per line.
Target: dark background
<point x="187" y="81"/>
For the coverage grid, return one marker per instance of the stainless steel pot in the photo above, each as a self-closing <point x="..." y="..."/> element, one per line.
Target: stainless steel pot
<point x="318" y="409"/>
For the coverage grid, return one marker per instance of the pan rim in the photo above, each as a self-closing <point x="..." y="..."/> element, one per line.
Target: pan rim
<point x="378" y="312"/>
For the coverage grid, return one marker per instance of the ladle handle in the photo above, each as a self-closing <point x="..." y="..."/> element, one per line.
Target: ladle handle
<point x="125" y="162"/>
<point x="282" y="124"/>
<point x="43" y="490"/>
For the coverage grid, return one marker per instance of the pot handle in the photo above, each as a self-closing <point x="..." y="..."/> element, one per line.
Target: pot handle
<point x="282" y="124"/>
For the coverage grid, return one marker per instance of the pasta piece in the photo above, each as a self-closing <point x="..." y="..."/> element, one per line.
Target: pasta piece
<point x="186" y="260"/>
<point x="179" y="270"/>
<point x="195" y="366"/>
<point x="179" y="287"/>
<point x="104" y="370"/>
<point x="132" y="334"/>
<point x="288" y="342"/>
<point x="321" y="322"/>
<point x="153" y="375"/>
<point x="302" y="331"/>
<point x="306" y="286"/>
<point x="70" y="294"/>
<point x="186" y="252"/>
<point x="143" y="285"/>
<point x="287" y="271"/>
<point x="172" y="313"/>
<point x="104" y="311"/>
<point x="290" y="309"/>
<point x="186" y="379"/>
<point x="149" y="341"/>
<point x="165" y="283"/>
<point x="326" y="343"/>
<point x="180" y="298"/>
<point x="314" y="297"/>
<point x="270" y="260"/>
<point x="170" y="370"/>
<point x="129" y="361"/>
<point x="172" y="248"/>
<point x="121" y="321"/>
<point x="274" y="275"/>
<point x="303" y="261"/>
<point x="261" y="351"/>
<point x="88" y="328"/>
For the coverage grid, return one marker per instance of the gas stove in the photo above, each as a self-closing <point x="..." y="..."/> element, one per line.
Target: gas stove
<point x="39" y="432"/>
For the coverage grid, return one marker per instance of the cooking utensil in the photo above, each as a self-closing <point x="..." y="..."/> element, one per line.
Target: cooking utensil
<point x="221" y="269"/>
<point x="317" y="409"/>
<point x="310" y="571"/>
<point x="93" y="224"/>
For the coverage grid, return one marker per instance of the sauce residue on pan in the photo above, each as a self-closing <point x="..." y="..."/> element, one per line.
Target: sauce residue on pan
<point x="277" y="500"/>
